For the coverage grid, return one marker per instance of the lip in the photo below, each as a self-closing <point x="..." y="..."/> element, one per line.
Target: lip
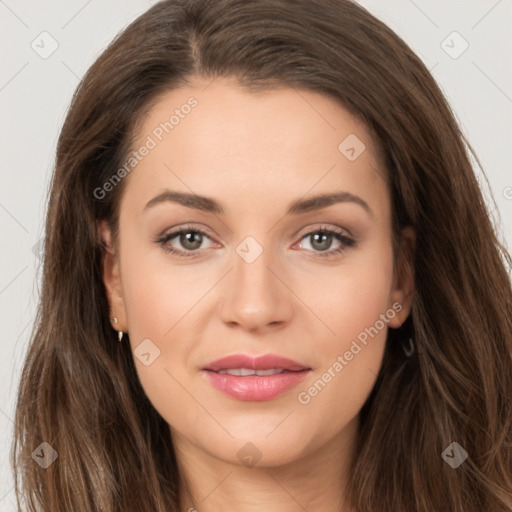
<point x="256" y="388"/>
<point x="265" y="362"/>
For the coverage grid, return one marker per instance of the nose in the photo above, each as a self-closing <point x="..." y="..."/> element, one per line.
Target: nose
<point x="255" y="294"/>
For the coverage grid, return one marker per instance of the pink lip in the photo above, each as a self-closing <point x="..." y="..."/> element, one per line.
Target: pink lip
<point x="256" y="388"/>
<point x="265" y="362"/>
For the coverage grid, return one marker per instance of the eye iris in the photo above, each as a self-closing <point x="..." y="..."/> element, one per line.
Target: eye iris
<point x="191" y="237"/>
<point x="323" y="245"/>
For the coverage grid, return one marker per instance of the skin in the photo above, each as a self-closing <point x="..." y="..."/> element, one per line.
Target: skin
<point x="255" y="153"/>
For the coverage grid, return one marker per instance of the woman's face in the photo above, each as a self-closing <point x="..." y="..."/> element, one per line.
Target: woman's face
<point x="262" y="268"/>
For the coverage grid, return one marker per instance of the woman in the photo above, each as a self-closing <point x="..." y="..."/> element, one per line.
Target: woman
<point x="271" y="206"/>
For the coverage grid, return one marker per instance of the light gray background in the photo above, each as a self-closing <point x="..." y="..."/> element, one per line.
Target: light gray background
<point x="35" y="94"/>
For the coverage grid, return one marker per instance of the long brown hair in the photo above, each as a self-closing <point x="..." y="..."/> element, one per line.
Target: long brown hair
<point x="79" y="390"/>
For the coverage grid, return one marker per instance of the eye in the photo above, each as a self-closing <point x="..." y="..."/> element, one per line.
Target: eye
<point x="322" y="238"/>
<point x="190" y="239"/>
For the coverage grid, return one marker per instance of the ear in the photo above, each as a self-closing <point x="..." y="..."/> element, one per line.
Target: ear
<point x="403" y="283"/>
<point x="111" y="279"/>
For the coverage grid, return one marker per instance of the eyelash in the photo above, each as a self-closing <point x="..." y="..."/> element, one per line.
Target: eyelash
<point x="344" y="240"/>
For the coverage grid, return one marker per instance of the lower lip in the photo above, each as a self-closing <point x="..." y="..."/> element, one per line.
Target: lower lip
<point x="256" y="388"/>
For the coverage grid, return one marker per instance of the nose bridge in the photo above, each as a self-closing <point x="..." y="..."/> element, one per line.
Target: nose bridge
<point x="252" y="277"/>
<point x="254" y="295"/>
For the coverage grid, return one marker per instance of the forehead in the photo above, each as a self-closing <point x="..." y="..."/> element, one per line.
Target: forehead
<point x="219" y="139"/>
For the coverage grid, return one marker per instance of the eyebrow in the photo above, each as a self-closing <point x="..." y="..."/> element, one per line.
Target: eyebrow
<point x="299" y="206"/>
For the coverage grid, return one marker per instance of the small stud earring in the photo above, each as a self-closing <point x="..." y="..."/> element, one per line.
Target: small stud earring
<point x="119" y="333"/>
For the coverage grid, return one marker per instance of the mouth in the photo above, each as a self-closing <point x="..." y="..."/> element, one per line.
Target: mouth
<point x="244" y="364"/>
<point x="255" y="379"/>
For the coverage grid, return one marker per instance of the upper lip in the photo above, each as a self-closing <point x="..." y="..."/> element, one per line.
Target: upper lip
<point x="266" y="362"/>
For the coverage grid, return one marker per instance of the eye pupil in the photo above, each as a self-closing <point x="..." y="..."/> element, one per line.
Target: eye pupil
<point x="322" y="246"/>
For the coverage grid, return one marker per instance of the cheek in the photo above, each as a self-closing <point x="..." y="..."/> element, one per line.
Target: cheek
<point x="151" y="301"/>
<point x="158" y="294"/>
<point x="351" y="298"/>
<point x="354" y="305"/>
<point x="159" y="306"/>
<point x="159" y="302"/>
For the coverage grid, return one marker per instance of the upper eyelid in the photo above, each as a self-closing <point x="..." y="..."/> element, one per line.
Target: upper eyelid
<point x="176" y="231"/>
<point x="324" y="227"/>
